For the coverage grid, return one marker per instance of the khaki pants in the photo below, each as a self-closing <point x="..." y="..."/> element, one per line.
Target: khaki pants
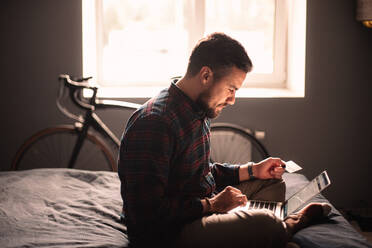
<point x="251" y="228"/>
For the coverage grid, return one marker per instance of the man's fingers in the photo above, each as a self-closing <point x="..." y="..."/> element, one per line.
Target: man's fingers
<point x="240" y="200"/>
<point x="280" y="163"/>
<point x="278" y="176"/>
<point x="277" y="172"/>
<point x="277" y="162"/>
<point x="233" y="189"/>
<point x="243" y="199"/>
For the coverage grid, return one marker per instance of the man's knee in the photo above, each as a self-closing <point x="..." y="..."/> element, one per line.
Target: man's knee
<point x="275" y="190"/>
<point x="265" y="228"/>
<point x="271" y="190"/>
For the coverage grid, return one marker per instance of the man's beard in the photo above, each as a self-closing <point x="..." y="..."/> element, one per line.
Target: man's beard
<point x="202" y="102"/>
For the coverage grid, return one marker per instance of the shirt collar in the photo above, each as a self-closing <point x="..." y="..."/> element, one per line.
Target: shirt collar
<point x="197" y="111"/>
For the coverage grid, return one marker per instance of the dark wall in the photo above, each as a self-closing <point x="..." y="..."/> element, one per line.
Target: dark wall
<point x="39" y="41"/>
<point x="328" y="129"/>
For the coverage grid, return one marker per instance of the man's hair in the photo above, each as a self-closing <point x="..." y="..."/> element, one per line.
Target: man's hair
<point x="219" y="52"/>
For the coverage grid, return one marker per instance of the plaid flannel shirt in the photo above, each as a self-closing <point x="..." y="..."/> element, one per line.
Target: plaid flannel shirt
<point x="164" y="165"/>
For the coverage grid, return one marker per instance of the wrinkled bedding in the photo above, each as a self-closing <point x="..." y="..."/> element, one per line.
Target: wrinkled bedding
<point x="334" y="232"/>
<point x="60" y="208"/>
<point x="76" y="208"/>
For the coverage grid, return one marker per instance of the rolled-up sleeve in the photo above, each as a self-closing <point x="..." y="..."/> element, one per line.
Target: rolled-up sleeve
<point x="225" y="174"/>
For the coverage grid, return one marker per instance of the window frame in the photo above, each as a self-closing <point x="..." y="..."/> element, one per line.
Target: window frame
<point x="287" y="79"/>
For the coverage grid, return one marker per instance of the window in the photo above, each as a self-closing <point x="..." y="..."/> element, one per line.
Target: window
<point x="133" y="47"/>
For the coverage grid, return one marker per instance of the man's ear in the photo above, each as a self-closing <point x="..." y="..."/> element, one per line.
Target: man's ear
<point x="206" y="75"/>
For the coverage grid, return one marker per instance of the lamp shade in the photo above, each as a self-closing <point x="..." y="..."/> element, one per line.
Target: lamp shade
<point x="364" y="10"/>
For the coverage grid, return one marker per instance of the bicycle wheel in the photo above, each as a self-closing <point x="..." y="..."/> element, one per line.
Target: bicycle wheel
<point x="52" y="148"/>
<point x="234" y="144"/>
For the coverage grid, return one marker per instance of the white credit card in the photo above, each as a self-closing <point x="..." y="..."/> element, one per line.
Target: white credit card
<point x="291" y="166"/>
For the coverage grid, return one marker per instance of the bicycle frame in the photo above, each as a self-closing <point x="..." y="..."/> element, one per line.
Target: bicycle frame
<point x="91" y="119"/>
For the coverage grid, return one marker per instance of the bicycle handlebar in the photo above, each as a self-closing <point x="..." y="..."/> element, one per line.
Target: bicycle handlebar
<point x="82" y="79"/>
<point x="79" y="83"/>
<point x="75" y="92"/>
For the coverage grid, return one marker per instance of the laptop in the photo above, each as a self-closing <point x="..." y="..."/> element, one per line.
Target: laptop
<point x="283" y="209"/>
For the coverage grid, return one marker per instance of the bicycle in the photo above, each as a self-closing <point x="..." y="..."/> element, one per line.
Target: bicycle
<point x="234" y="144"/>
<point x="74" y="146"/>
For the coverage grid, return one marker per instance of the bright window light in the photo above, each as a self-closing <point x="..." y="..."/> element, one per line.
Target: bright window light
<point x="138" y="45"/>
<point x="250" y="22"/>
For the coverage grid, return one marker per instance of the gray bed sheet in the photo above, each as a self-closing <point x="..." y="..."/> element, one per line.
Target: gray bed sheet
<point x="60" y="208"/>
<point x="332" y="232"/>
<point x="76" y="208"/>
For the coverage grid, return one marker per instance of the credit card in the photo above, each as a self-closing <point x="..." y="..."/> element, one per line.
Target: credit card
<point x="291" y="166"/>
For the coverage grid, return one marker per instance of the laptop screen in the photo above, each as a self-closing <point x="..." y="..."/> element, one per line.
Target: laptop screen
<point x="309" y="191"/>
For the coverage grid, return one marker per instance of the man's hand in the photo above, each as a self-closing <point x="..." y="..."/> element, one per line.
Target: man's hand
<point x="227" y="199"/>
<point x="269" y="168"/>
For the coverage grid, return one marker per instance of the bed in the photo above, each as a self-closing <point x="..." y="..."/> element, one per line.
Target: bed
<point x="76" y="208"/>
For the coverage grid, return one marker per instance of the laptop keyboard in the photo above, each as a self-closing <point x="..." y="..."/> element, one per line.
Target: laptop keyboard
<point x="262" y="204"/>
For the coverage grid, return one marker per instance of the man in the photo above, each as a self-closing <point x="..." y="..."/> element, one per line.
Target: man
<point x="171" y="194"/>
